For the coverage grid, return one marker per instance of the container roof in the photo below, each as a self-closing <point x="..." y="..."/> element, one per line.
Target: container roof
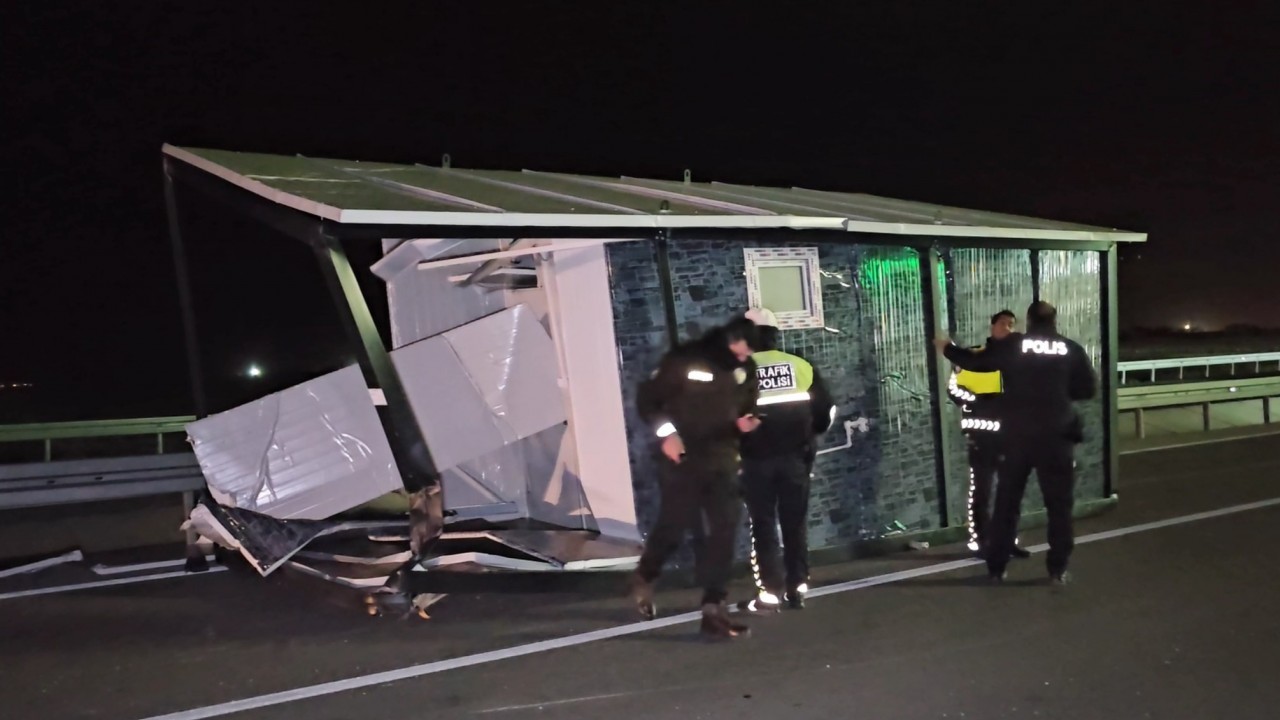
<point x="373" y="193"/>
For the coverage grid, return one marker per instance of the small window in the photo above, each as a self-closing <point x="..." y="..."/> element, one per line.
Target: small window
<point x="786" y="281"/>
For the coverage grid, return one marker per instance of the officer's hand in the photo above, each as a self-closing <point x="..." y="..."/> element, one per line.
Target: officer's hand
<point x="673" y="448"/>
<point x="941" y="343"/>
<point x="747" y="423"/>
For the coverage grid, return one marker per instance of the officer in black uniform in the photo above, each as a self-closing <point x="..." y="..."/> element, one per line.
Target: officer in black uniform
<point x="1044" y="373"/>
<point x="777" y="464"/>
<point x="699" y="402"/>
<point x="978" y="397"/>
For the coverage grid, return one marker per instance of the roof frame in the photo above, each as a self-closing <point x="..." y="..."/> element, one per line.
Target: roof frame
<point x="308" y="228"/>
<point x="482" y="221"/>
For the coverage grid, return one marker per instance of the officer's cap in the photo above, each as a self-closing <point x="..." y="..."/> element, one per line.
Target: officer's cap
<point x="763" y="317"/>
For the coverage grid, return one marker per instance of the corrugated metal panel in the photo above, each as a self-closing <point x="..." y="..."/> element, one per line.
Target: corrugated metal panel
<point x="782" y="205"/>
<point x="947" y="215"/>
<point x="318" y="182"/>
<point x="575" y="188"/>
<point x="463" y="184"/>
<point x="841" y="205"/>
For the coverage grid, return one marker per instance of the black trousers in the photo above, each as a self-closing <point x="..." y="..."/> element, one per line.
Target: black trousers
<point x="1052" y="459"/>
<point x="703" y="487"/>
<point x="777" y="493"/>
<point x="984" y="461"/>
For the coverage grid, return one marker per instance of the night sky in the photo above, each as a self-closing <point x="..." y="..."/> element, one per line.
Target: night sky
<point x="1133" y="115"/>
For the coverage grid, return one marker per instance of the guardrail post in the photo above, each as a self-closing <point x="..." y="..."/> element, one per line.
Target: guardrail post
<point x="1266" y="411"/>
<point x="1139" y="424"/>
<point x="159" y="443"/>
<point x="48" y="449"/>
<point x="1205" y="409"/>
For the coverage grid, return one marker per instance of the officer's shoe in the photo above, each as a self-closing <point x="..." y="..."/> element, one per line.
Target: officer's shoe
<point x="795" y="597"/>
<point x="997" y="577"/>
<point x="716" y="624"/>
<point x="763" y="603"/>
<point x="1019" y="552"/>
<point x="1060" y="580"/>
<point x="641" y="592"/>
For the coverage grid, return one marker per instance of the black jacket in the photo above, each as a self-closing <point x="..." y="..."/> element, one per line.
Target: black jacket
<point x="701" y="390"/>
<point x="1043" y="374"/>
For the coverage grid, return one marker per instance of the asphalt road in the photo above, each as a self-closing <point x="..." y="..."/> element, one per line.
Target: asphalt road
<point x="1170" y="621"/>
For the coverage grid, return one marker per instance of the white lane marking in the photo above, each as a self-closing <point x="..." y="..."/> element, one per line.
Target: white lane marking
<point x="552" y="703"/>
<point x="431" y="668"/>
<point x="106" y="583"/>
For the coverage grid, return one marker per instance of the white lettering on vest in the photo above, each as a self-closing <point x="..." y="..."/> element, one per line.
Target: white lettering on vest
<point x="1044" y="347"/>
<point x="776" y="377"/>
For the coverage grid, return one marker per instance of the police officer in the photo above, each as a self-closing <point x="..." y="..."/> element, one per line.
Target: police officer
<point x="978" y="396"/>
<point x="1043" y="374"/>
<point x="698" y="403"/>
<point x="777" y="463"/>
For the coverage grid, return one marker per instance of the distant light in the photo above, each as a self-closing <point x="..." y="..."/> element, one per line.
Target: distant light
<point x="255" y="371"/>
<point x="1187" y="327"/>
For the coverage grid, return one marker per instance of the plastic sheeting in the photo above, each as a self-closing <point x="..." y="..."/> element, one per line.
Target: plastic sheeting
<point x="310" y="452"/>
<point x="479" y="387"/>
<point x="1072" y="281"/>
<point x="889" y="284"/>
<point x="986" y="281"/>
<point x="983" y="282"/>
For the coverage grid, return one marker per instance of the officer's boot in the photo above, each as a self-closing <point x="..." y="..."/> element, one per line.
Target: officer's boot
<point x="795" y="596"/>
<point x="716" y="624"/>
<point x="1018" y="551"/>
<point x="641" y="592"/>
<point x="763" y="603"/>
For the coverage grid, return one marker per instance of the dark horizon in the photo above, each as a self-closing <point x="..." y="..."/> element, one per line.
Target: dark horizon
<point x="1151" y="120"/>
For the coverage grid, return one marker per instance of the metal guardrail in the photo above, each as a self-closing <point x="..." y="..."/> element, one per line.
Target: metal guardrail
<point x="48" y="432"/>
<point x="65" y="482"/>
<point x="1207" y="362"/>
<point x="58" y="482"/>
<point x="1204" y="394"/>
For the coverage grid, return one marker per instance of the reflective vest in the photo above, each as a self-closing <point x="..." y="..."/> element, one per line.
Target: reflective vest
<point x="784" y="378"/>
<point x="969" y="388"/>
<point x="980" y="383"/>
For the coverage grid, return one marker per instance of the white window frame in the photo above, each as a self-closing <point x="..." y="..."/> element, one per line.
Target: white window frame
<point x="806" y="258"/>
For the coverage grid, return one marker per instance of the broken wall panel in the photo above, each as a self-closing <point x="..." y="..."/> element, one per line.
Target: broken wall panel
<point x="423" y="301"/>
<point x="482" y="386"/>
<point x="555" y="491"/>
<point x="512" y="362"/>
<point x="311" y="451"/>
